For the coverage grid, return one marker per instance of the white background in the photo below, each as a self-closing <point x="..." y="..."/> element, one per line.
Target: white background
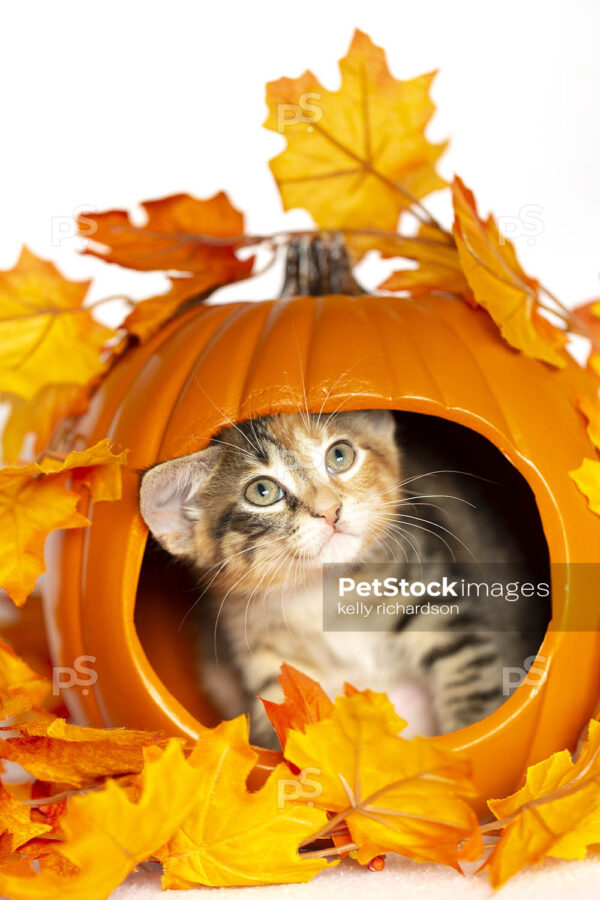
<point x="106" y="104"/>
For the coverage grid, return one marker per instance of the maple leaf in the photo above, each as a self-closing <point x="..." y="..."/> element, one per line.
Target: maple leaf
<point x="587" y="479"/>
<point x="21" y="688"/>
<point x="16" y="826"/>
<point x="46" y="334"/>
<point x="590" y="407"/>
<point x="52" y="750"/>
<point x="304" y="701"/>
<point x="438" y="266"/>
<point x="355" y="157"/>
<point x="39" y="415"/>
<point x="500" y="285"/>
<point x="35" y="499"/>
<point x="107" y="835"/>
<point x="586" y="321"/>
<point x="395" y="794"/>
<point x="148" y="315"/>
<point x="98" y="468"/>
<point x="232" y="836"/>
<point x="556" y="813"/>
<point x="176" y="237"/>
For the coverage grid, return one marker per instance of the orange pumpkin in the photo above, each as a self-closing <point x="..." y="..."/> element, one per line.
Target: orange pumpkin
<point x="222" y="363"/>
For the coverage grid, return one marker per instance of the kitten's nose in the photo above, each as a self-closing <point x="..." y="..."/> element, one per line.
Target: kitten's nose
<point x="332" y="514"/>
<point x="327" y="506"/>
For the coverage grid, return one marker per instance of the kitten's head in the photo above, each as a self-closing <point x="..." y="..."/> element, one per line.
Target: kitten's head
<point x="276" y="494"/>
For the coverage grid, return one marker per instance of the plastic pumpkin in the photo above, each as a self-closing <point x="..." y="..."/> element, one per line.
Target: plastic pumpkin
<point x="218" y="364"/>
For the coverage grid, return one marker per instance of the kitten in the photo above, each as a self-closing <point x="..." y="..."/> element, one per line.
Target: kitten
<point x="268" y="503"/>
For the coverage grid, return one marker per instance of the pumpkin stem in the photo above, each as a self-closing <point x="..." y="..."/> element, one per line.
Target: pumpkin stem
<point x="318" y="264"/>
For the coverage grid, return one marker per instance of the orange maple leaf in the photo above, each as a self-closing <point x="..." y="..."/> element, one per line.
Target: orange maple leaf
<point x="304" y="701"/>
<point x="52" y="750"/>
<point x="148" y="315"/>
<point x="176" y="237"/>
<point x="500" y="285"/>
<point x="16" y="825"/>
<point x="356" y="157"/>
<point x="438" y="265"/>
<point x="46" y="334"/>
<point x="37" y="498"/>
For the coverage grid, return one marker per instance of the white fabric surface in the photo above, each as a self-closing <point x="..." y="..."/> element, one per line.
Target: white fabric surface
<point x="400" y="880"/>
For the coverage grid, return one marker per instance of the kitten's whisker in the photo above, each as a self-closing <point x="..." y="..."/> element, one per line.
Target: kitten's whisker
<point x="225" y="416"/>
<point x="274" y="556"/>
<point x="442" y="528"/>
<point x="388" y="524"/>
<point x="221" y="605"/>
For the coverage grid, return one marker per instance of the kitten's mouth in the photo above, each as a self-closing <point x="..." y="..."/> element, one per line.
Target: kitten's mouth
<point x="340" y="546"/>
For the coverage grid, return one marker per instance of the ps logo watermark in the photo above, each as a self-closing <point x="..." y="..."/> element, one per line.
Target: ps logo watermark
<point x="77" y="225"/>
<point x="528" y="673"/>
<point x="301" y="787"/>
<point x="289" y="114"/>
<point x="527" y="224"/>
<point x="80" y="674"/>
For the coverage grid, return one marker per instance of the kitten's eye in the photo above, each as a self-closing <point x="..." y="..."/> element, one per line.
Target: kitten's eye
<point x="339" y="457"/>
<point x="263" y="492"/>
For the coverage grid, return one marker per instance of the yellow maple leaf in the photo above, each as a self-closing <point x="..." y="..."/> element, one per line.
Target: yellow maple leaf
<point x="52" y="750"/>
<point x="98" y="468"/>
<point x="36" y="498"/>
<point x="46" y="334"/>
<point x="356" y="157"/>
<point x="406" y="796"/>
<point x="500" y="285"/>
<point x="590" y="407"/>
<point x="556" y="813"/>
<point x="107" y="835"/>
<point x="587" y="479"/>
<point x="232" y="836"/>
<point x="20" y="687"/>
<point x="38" y="416"/>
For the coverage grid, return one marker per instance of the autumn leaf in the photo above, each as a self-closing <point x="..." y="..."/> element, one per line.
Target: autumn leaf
<point x="588" y="315"/>
<point x="556" y="813"/>
<point x="39" y="416"/>
<point x="98" y="468"/>
<point x="21" y="688"/>
<point x="107" y="835"/>
<point x="175" y="237"/>
<point x="587" y="479"/>
<point x="16" y="825"/>
<point x="52" y="750"/>
<point x="591" y="410"/>
<point x="46" y="334"/>
<point x="586" y="321"/>
<point x="232" y="836"/>
<point x="36" y="498"/>
<point x="304" y="701"/>
<point x="357" y="157"/>
<point x="500" y="285"/>
<point x="438" y="266"/>
<point x="148" y="315"/>
<point x="406" y="796"/>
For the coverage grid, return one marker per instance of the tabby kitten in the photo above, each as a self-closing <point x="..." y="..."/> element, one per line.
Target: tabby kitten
<point x="268" y="503"/>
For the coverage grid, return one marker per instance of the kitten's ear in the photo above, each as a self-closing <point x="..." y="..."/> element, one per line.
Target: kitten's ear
<point x="383" y="422"/>
<point x="166" y="498"/>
